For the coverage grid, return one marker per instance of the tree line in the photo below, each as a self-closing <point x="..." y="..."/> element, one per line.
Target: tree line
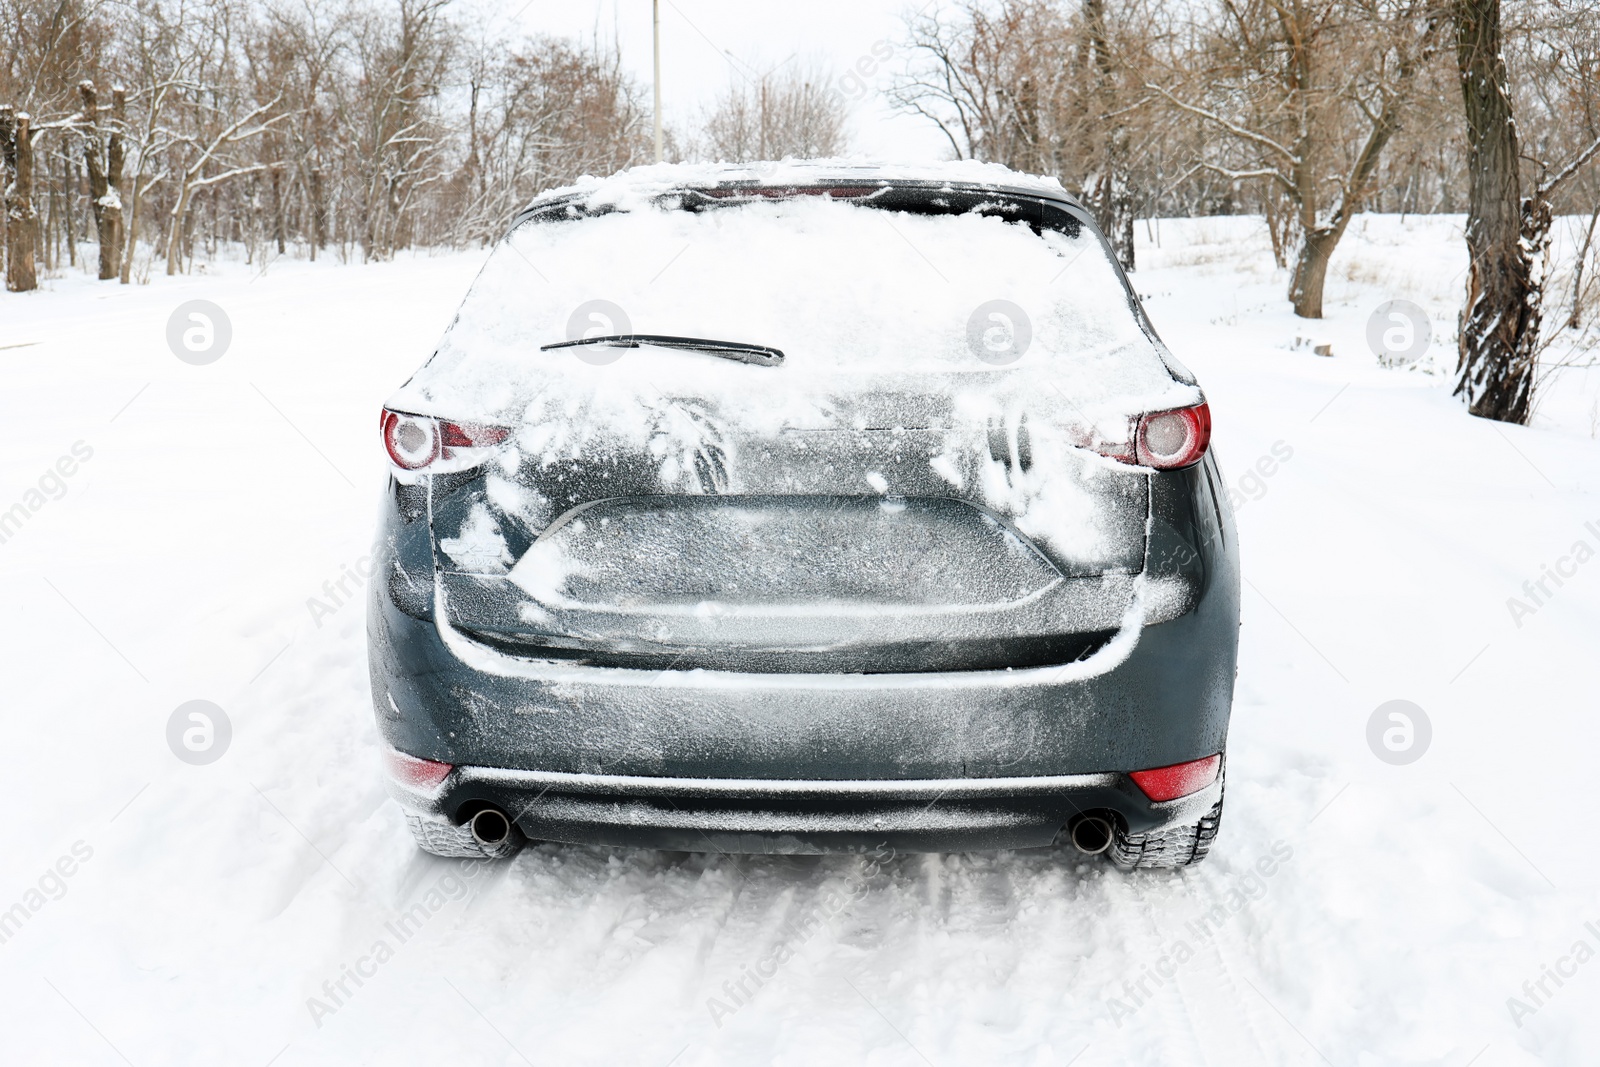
<point x="361" y="127"/>
<point x="1305" y="112"/>
<point x="307" y="126"/>
<point x="357" y="127"/>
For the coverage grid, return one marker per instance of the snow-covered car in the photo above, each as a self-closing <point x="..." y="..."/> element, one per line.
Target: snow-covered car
<point x="814" y="507"/>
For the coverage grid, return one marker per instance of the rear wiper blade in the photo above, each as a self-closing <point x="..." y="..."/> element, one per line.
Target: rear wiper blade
<point x="758" y="355"/>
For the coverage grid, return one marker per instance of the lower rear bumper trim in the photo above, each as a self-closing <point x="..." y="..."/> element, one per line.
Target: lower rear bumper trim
<point x="797" y="816"/>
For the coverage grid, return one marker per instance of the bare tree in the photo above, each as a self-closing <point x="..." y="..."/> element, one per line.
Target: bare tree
<point x="206" y="154"/>
<point x="367" y="126"/>
<point x="1042" y="88"/>
<point x="996" y="82"/>
<point x="22" y="222"/>
<point x="1553" y="60"/>
<point x="1107" y="187"/>
<point x="159" y="61"/>
<point x="308" y="45"/>
<point x="1507" y="233"/>
<point x="1285" y="80"/>
<point x="775" y="116"/>
<point x="103" y="159"/>
<point x="42" y="44"/>
<point x="398" y="138"/>
<point x="541" y="115"/>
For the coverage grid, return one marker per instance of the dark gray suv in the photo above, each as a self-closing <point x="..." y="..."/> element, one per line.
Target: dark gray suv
<point x="803" y="509"/>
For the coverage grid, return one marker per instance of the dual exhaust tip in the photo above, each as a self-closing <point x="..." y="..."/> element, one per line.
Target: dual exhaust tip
<point x="493" y="831"/>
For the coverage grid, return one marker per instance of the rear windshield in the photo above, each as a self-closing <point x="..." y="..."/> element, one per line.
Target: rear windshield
<point x="931" y="284"/>
<point x="875" y="281"/>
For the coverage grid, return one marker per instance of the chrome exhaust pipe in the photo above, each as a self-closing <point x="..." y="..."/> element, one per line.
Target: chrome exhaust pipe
<point x="1091" y="834"/>
<point x="491" y="829"/>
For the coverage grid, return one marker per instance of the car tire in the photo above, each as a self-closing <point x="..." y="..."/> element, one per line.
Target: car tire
<point x="443" y="838"/>
<point x="1176" y="846"/>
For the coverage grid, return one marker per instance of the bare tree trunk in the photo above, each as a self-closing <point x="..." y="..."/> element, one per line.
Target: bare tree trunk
<point x="177" y="234"/>
<point x="1500" y="322"/>
<point x="133" y="226"/>
<point x="21" y="220"/>
<point x="1311" y="272"/>
<point x="277" y="207"/>
<point x="116" y="156"/>
<point x="1575" y="320"/>
<point x="319" y="216"/>
<point x="69" y="194"/>
<point x="8" y="132"/>
<point x="105" y="177"/>
<point x="1311" y="266"/>
<point x="1277" y="227"/>
<point x="1111" y="194"/>
<point x="80" y="182"/>
<point x="50" y="250"/>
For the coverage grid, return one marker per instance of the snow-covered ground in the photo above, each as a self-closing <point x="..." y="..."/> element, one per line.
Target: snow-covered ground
<point x="1353" y="912"/>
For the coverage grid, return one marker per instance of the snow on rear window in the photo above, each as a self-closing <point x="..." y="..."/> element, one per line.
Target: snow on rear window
<point x="838" y="287"/>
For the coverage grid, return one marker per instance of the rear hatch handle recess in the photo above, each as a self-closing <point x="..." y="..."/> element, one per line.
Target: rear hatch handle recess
<point x="757" y="355"/>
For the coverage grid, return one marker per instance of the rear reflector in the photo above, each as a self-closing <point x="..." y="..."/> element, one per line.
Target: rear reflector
<point x="1178" y="780"/>
<point x="423" y="774"/>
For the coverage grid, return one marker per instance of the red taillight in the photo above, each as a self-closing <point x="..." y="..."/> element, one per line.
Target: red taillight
<point x="471" y="434"/>
<point x="412" y="440"/>
<point x="416" y="441"/>
<point x="424" y="774"/>
<point x="1167" y="440"/>
<point x="1178" y="780"/>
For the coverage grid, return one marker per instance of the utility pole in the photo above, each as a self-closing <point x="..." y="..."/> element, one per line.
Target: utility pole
<point x="656" y="4"/>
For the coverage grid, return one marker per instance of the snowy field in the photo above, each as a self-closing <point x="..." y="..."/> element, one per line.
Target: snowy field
<point x="1353" y="912"/>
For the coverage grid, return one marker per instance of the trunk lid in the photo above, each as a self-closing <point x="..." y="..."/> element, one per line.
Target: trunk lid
<point x="873" y="524"/>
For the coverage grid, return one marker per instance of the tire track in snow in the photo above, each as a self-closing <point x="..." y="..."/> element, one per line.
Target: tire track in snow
<point x="1202" y="999"/>
<point x="1210" y="994"/>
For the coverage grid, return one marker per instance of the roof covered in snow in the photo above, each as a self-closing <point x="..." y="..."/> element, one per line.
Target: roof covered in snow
<point x="658" y="178"/>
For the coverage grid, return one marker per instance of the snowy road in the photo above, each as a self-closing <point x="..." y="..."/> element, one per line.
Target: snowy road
<point x="270" y="908"/>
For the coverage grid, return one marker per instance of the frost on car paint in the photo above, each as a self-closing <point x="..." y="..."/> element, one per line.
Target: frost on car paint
<point x="857" y="551"/>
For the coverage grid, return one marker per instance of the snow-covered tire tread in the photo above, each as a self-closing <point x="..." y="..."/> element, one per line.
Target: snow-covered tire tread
<point x="1176" y="846"/>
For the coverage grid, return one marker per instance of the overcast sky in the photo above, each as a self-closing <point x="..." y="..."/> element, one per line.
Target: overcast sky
<point x="705" y="42"/>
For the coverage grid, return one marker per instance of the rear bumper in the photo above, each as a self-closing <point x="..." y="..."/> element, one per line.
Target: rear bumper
<point x="776" y="762"/>
<point x="797" y="817"/>
<point x="1159" y="695"/>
